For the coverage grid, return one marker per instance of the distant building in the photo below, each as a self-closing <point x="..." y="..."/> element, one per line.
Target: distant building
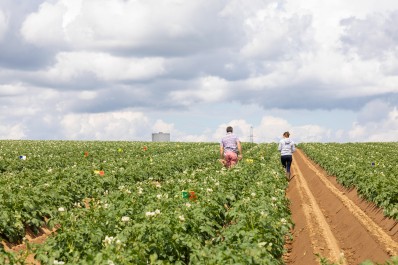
<point x="160" y="137"/>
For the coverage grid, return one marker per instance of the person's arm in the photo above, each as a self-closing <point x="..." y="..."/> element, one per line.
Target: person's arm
<point x="293" y="147"/>
<point x="221" y="151"/>
<point x="239" y="149"/>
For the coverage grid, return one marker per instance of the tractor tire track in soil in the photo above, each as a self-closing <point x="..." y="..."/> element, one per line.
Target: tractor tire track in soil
<point x="333" y="222"/>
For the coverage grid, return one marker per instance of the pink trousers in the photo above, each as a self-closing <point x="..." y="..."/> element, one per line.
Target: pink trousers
<point x="230" y="158"/>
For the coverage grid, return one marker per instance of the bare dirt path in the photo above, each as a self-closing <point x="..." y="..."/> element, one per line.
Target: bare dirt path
<point x="333" y="222"/>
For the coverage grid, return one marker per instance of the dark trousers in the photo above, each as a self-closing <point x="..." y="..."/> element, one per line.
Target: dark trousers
<point x="287" y="162"/>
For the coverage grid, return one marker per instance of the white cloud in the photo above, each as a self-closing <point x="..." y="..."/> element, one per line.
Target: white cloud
<point x="121" y="125"/>
<point x="123" y="24"/>
<point x="206" y="89"/>
<point x="374" y="111"/>
<point x="273" y="35"/>
<point x="312" y="133"/>
<point x="177" y="135"/>
<point x="194" y="138"/>
<point x="12" y="131"/>
<point x="71" y="65"/>
<point x="3" y="24"/>
<point x="272" y="128"/>
<point x="45" y="26"/>
<point x="161" y="126"/>
<point x="382" y="128"/>
<point x="240" y="127"/>
<point x="87" y="95"/>
<point x="371" y="37"/>
<point x="12" y="90"/>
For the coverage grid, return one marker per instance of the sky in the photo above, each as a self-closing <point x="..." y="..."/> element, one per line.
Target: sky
<point x="326" y="71"/>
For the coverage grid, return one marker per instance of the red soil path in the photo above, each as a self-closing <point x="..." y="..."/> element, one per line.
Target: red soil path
<point x="333" y="222"/>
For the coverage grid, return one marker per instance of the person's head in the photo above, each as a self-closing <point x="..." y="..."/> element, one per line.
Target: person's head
<point x="286" y="134"/>
<point x="229" y="129"/>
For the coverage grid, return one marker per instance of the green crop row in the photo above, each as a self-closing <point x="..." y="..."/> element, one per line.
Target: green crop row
<point x="369" y="167"/>
<point x="58" y="173"/>
<point x="135" y="212"/>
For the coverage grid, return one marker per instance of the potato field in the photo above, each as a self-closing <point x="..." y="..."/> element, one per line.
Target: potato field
<point x="127" y="203"/>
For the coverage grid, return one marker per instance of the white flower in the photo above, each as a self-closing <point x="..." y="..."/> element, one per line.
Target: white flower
<point x="262" y="244"/>
<point x="61" y="209"/>
<point x="108" y="240"/>
<point x="110" y="262"/>
<point x="209" y="190"/>
<point x="217" y="183"/>
<point x="253" y="194"/>
<point x="159" y="196"/>
<point x="140" y="190"/>
<point x="125" y="219"/>
<point x="283" y="221"/>
<point x="181" y="217"/>
<point x="188" y="204"/>
<point x="149" y="214"/>
<point x="273" y="198"/>
<point x="57" y="262"/>
<point x="106" y="206"/>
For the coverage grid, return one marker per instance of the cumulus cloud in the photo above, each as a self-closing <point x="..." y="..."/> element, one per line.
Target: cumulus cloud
<point x="12" y="132"/>
<point x="240" y="127"/>
<point x="273" y="35"/>
<point x="272" y="128"/>
<point x="105" y="67"/>
<point x="122" y="125"/>
<point x="10" y="90"/>
<point x="372" y="37"/>
<point x="114" y="61"/>
<point x="161" y="126"/>
<point x="377" y="121"/>
<point x="127" y="25"/>
<point x="385" y="130"/>
<point x="3" y="24"/>
<point x="374" y="111"/>
<point x="206" y="89"/>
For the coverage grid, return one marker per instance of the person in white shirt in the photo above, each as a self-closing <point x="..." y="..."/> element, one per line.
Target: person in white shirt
<point x="286" y="147"/>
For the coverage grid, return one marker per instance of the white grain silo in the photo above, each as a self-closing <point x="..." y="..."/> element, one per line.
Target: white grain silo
<point x="160" y="137"/>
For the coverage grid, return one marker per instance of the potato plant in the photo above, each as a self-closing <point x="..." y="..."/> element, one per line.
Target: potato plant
<point x="122" y="203"/>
